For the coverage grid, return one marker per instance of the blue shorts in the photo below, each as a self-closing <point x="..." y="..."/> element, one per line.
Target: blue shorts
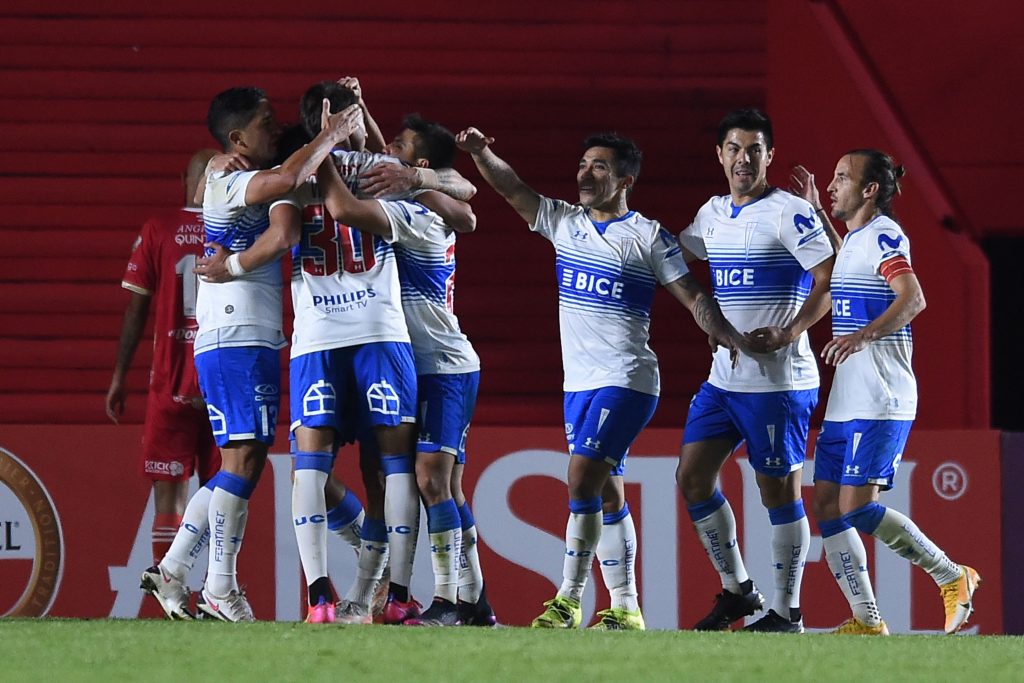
<point x="601" y="424"/>
<point x="446" y="405"/>
<point x="860" y="452"/>
<point x="347" y="389"/>
<point x="242" y="389"/>
<point x="774" y="424"/>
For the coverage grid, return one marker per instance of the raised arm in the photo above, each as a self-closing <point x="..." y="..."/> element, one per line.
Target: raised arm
<point x="363" y="214"/>
<point x="283" y="233"/>
<point x="801" y="183"/>
<point x="499" y="174"/>
<point x="816" y="305"/>
<point x="909" y="302"/>
<point x="273" y="183"/>
<point x="131" y="332"/>
<point x="707" y="314"/>
<point x="457" y="215"/>
<point x="375" y="141"/>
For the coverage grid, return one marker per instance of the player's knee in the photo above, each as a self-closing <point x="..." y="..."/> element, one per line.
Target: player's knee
<point x="694" y="488"/>
<point x="432" y="485"/>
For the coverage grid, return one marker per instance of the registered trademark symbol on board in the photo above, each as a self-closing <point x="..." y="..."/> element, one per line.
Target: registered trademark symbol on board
<point x="949" y="481"/>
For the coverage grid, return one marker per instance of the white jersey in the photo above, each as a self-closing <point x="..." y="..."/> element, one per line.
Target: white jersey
<point x="345" y="288"/>
<point x="426" y="267"/>
<point x="876" y="383"/>
<point x="606" y="274"/>
<point x="759" y="255"/>
<point x="247" y="310"/>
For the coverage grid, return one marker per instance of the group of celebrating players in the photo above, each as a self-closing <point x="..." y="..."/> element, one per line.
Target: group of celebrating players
<point x="377" y="357"/>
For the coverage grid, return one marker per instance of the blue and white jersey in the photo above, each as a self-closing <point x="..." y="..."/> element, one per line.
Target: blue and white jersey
<point x="759" y="255"/>
<point x="425" y="247"/>
<point x="345" y="288"/>
<point x="606" y="275"/>
<point x="247" y="310"/>
<point x="878" y="382"/>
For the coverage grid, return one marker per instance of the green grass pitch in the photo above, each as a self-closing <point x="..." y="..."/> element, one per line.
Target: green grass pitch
<point x="151" y="651"/>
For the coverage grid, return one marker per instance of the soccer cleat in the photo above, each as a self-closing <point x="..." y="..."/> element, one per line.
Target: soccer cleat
<point x="321" y="613"/>
<point x="440" y="613"/>
<point x="559" y="612"/>
<point x="773" y="622"/>
<point x="855" y="627"/>
<point x="477" y="613"/>
<point x="619" y="619"/>
<point x="730" y="607"/>
<point x="958" y="598"/>
<point x="171" y="593"/>
<point x="348" y="612"/>
<point x="233" y="607"/>
<point x="398" y="612"/>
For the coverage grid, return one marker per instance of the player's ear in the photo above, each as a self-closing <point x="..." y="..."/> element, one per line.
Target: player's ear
<point x="422" y="163"/>
<point x="626" y="183"/>
<point x="870" y="190"/>
<point x="769" y="156"/>
<point x="236" y="138"/>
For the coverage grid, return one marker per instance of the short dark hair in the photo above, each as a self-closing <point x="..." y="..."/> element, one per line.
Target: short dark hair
<point x="231" y="110"/>
<point x="434" y="142"/>
<point x="292" y="139"/>
<point x="311" y="104"/>
<point x="627" y="155"/>
<point x="880" y="168"/>
<point x="747" y="119"/>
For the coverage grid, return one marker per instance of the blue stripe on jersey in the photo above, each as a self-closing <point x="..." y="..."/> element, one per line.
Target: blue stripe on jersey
<point x="237" y="234"/>
<point x="424" y="275"/>
<point x="588" y="286"/>
<point x="741" y="277"/>
<point x="856" y="301"/>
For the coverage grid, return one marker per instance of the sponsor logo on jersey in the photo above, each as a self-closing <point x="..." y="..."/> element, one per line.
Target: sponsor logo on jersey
<point x="585" y="282"/>
<point x="733" y="277"/>
<point x="30" y="529"/>
<point x="344" y="298"/>
<point x="893" y="242"/>
<point x="580" y="235"/>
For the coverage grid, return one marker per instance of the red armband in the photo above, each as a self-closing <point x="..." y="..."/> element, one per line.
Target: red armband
<point x="895" y="267"/>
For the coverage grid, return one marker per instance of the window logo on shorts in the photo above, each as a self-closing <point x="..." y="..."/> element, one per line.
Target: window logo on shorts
<point x="320" y="399"/>
<point x="217" y="421"/>
<point x="382" y="398"/>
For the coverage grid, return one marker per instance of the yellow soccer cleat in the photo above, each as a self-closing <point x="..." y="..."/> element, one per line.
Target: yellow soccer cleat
<point x="560" y="613"/>
<point x="855" y="627"/>
<point x="958" y="598"/>
<point x="619" y="619"/>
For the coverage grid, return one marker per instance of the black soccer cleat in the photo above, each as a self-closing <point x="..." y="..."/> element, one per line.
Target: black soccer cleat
<point x="730" y="607"/>
<point x="773" y="622"/>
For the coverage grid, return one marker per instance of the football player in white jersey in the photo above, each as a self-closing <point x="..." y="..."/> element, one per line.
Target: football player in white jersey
<point x="764" y="246"/>
<point x="448" y="375"/>
<point x="873" y="401"/>
<point x="240" y="321"/>
<point x="608" y="261"/>
<point x="350" y="330"/>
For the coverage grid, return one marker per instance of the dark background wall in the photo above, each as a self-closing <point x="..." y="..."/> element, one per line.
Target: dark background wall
<point x="103" y="103"/>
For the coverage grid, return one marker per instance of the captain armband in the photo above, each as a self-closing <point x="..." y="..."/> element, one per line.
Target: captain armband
<point x="895" y="267"/>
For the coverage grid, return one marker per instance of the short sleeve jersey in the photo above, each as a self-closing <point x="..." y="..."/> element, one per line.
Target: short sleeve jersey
<point x="606" y="274"/>
<point x="345" y="286"/>
<point x="759" y="255"/>
<point x="247" y="310"/>
<point x="160" y="267"/>
<point x="876" y="383"/>
<point x="426" y="267"/>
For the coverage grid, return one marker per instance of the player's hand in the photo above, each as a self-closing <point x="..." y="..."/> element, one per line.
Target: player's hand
<point x="116" y="398"/>
<point x="473" y="141"/>
<point x="841" y="348"/>
<point x="213" y="268"/>
<point x="388" y="179"/>
<point x="768" y="339"/>
<point x="228" y="162"/>
<point x="341" y="125"/>
<point x="352" y="83"/>
<point x="732" y="341"/>
<point x="801" y="183"/>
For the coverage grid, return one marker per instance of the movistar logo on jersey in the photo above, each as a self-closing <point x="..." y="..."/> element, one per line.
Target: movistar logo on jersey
<point x="889" y="241"/>
<point x="586" y="282"/>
